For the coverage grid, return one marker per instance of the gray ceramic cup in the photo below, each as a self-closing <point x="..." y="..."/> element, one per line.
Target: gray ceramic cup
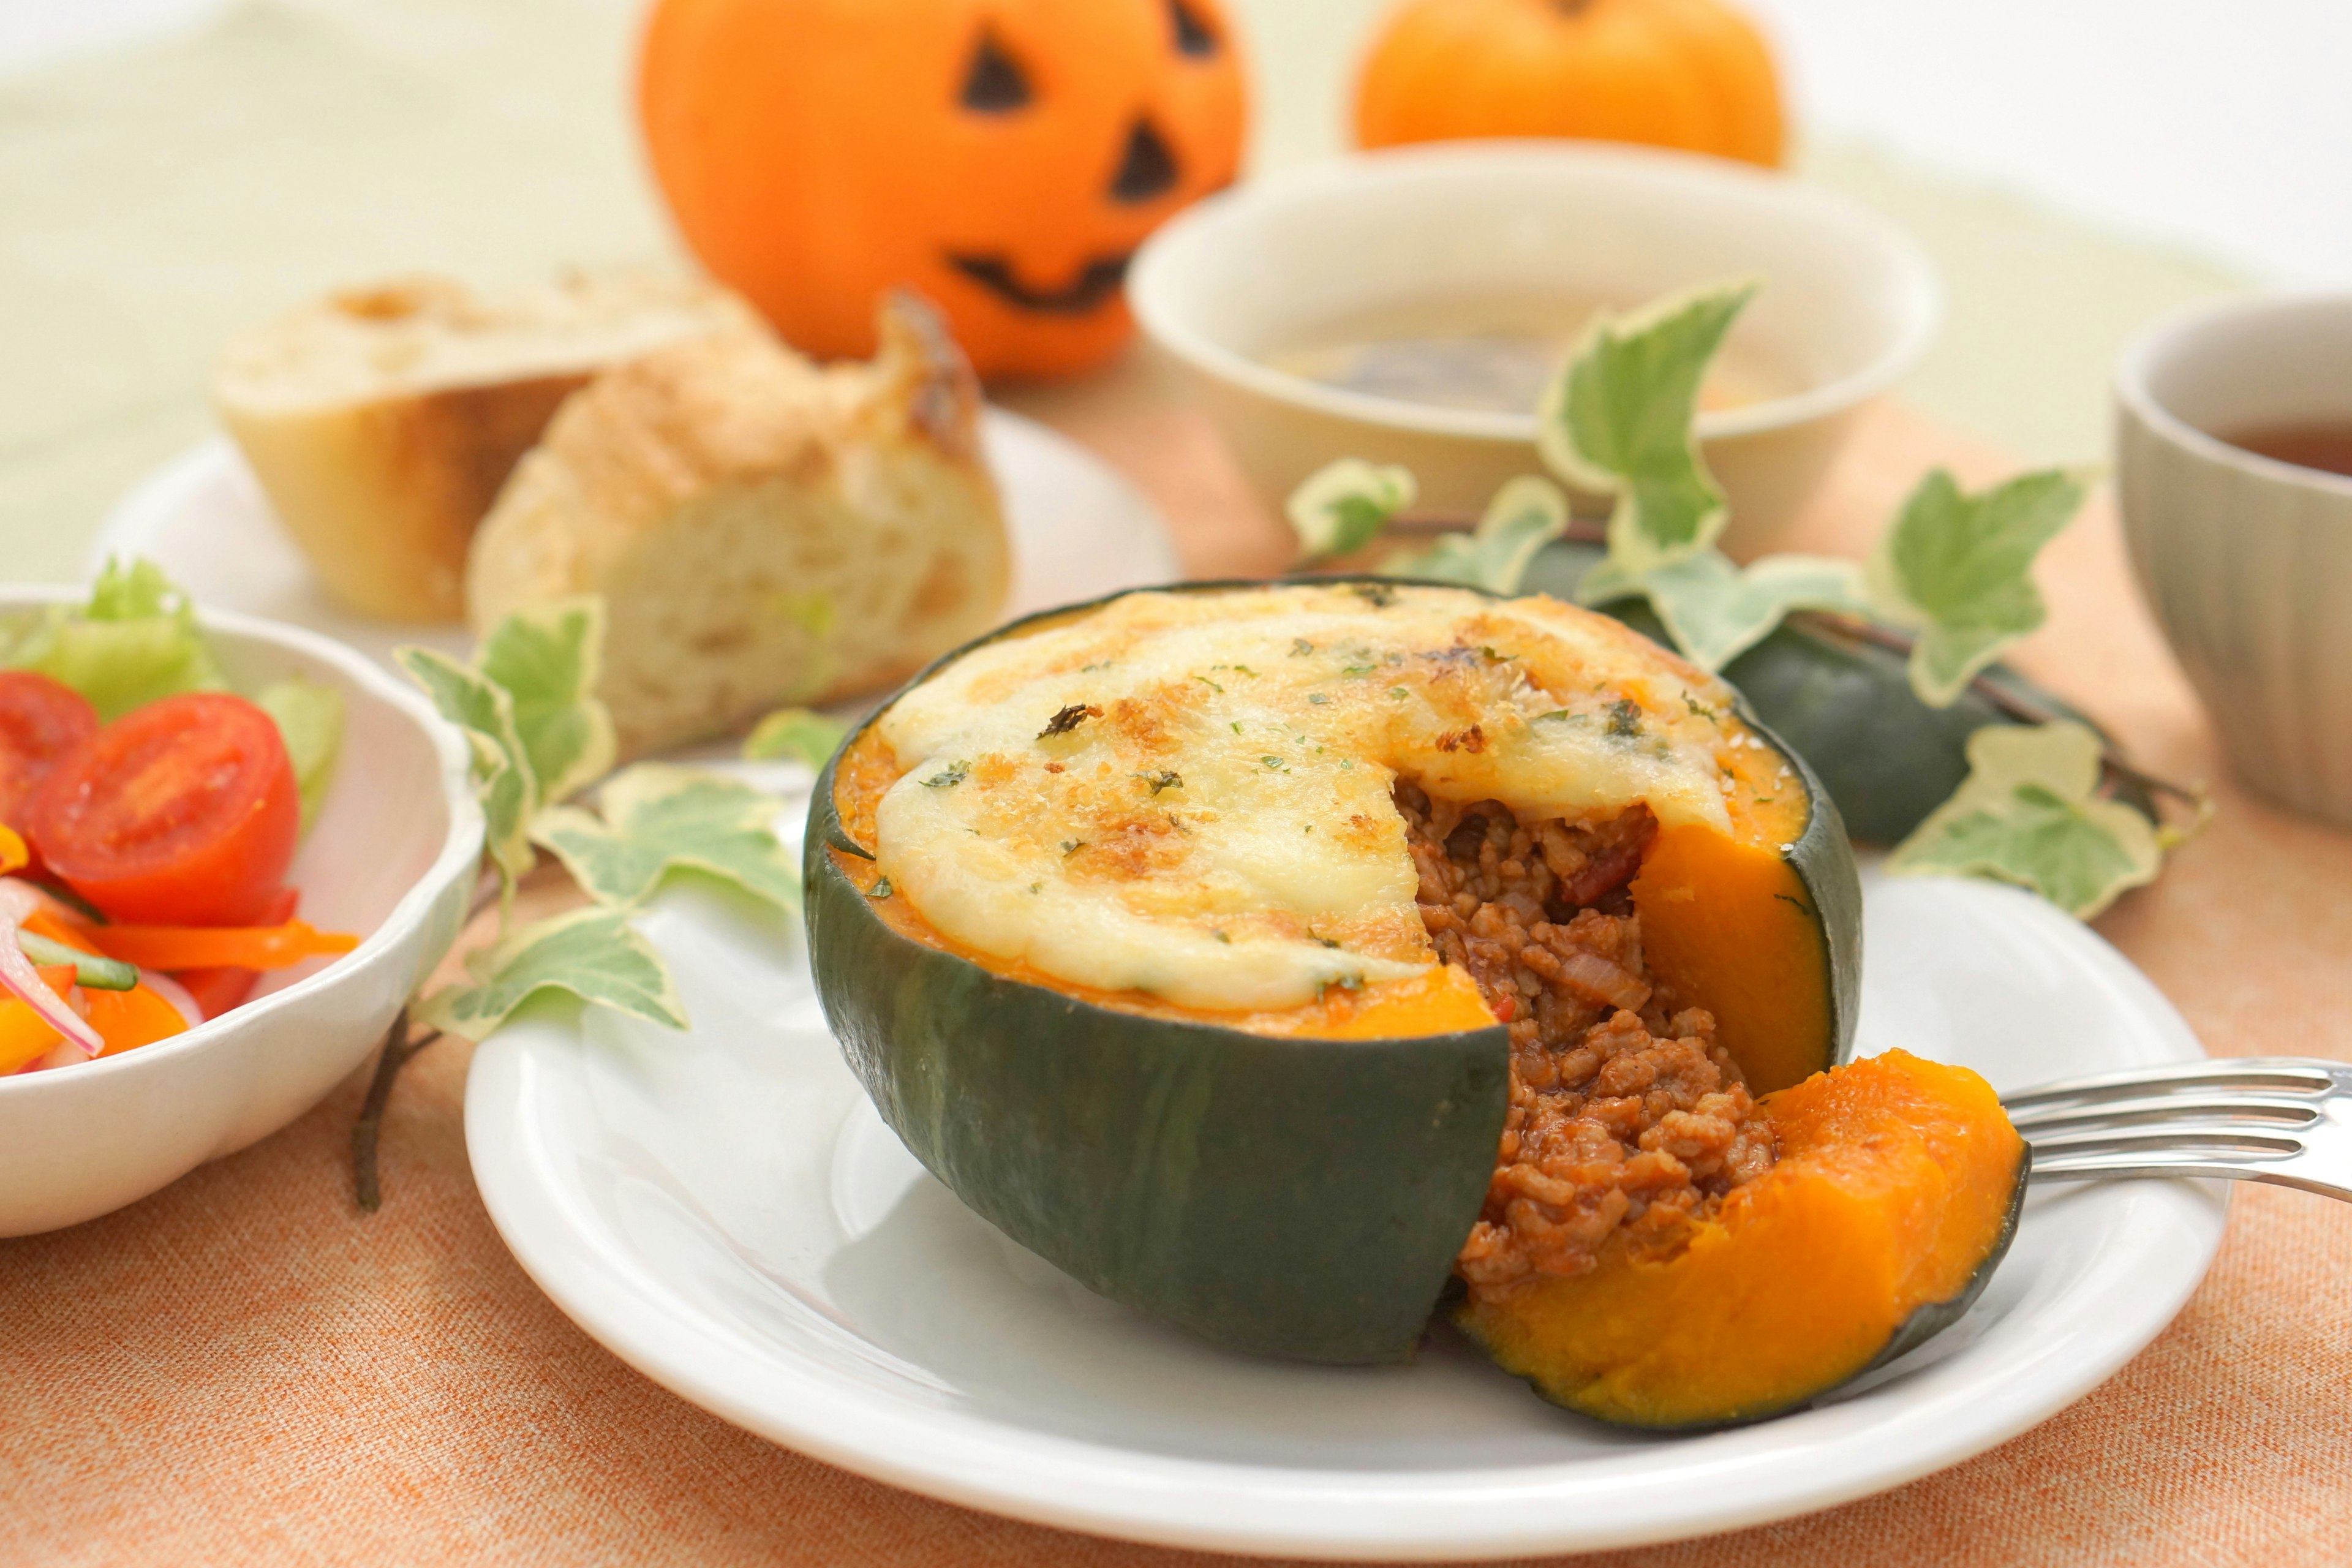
<point x="2247" y="561"/>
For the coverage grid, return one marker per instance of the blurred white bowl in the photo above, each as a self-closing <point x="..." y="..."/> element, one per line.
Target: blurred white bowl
<point x="1849" y="302"/>
<point x="391" y="856"/>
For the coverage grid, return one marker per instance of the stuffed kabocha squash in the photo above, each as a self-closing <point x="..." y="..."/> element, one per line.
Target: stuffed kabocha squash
<point x="1270" y="957"/>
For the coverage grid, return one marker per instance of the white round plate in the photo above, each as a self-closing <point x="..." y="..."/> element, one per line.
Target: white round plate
<point x="1079" y="531"/>
<point x="724" y="1210"/>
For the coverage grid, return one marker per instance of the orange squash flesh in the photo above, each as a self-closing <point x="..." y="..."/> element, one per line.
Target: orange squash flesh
<point x="1730" y="924"/>
<point x="1893" y="1193"/>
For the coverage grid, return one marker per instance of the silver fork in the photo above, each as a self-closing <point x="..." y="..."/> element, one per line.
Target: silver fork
<point x="2286" y="1120"/>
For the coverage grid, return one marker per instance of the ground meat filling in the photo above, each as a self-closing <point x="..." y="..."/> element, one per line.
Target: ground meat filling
<point x="1624" y="1114"/>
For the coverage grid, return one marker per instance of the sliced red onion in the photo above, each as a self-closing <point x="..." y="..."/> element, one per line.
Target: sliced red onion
<point x="18" y="976"/>
<point x="171" y="991"/>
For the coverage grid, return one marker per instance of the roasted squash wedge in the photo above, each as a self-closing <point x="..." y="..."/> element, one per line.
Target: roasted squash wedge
<point x="1896" y="1190"/>
<point x="1211" y="943"/>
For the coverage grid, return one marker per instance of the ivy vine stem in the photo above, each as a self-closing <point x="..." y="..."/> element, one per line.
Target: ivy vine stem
<point x="367" y="1132"/>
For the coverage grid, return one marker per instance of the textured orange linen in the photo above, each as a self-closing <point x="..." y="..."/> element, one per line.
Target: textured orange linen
<point x="244" y="1368"/>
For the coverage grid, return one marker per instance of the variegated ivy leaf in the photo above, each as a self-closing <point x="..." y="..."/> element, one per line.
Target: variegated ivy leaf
<point x="656" y="816"/>
<point x="502" y="775"/>
<point x="1619" y="421"/>
<point x="1716" y="612"/>
<point x="2029" y="813"/>
<point x="1341" y="506"/>
<point x="794" y="734"/>
<point x="548" y="657"/>
<point x="1528" y="513"/>
<point x="1958" y="568"/>
<point x="591" y="953"/>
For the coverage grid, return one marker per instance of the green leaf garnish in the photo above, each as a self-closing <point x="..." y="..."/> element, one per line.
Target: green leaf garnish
<point x="1619" y="420"/>
<point x="1958" y="567"/>
<point x="794" y="734"/>
<point x="502" y="775"/>
<point x="310" y="719"/>
<point x="2029" y="813"/>
<point x="547" y="657"/>
<point x="1343" y="506"/>
<point x="591" y="953"/>
<point x="133" y="641"/>
<point x="657" y="816"/>
<point x="1527" y="513"/>
<point x="1716" y="612"/>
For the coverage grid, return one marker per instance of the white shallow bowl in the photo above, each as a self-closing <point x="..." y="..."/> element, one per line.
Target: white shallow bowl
<point x="724" y="1210"/>
<point x="1849" y="302"/>
<point x="391" y="856"/>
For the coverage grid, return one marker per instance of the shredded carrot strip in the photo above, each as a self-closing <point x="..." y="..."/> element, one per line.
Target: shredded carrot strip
<point x="209" y="947"/>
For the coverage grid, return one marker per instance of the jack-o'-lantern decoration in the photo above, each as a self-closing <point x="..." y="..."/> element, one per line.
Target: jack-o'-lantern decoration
<point x="1692" y="74"/>
<point x="1003" y="157"/>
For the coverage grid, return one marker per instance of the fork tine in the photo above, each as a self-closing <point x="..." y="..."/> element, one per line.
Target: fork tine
<point x="2291" y="1172"/>
<point x="2263" y="1109"/>
<point x="2183" y="1138"/>
<point x="2282" y="1074"/>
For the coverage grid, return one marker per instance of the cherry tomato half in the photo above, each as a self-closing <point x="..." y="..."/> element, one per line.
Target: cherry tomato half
<point x="183" y="812"/>
<point x="40" y="720"/>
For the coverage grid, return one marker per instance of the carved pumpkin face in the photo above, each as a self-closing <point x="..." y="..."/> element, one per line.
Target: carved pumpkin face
<point x="1004" y="157"/>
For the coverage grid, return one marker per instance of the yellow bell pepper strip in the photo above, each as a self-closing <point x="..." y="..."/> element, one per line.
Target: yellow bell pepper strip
<point x="25" y="1036"/>
<point x="14" y="855"/>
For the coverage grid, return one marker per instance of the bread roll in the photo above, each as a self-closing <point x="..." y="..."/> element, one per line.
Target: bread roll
<point x="764" y="531"/>
<point x="381" y="421"/>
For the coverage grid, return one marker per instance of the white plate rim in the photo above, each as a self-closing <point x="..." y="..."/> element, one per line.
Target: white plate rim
<point x="2090" y="1332"/>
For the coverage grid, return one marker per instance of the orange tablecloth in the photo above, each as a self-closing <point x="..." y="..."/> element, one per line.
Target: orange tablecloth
<point x="244" y="1368"/>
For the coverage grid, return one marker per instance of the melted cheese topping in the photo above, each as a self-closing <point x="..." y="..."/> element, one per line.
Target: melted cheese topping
<point x="1188" y="794"/>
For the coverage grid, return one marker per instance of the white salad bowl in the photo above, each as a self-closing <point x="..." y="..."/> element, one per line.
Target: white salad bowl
<point x="1848" y="304"/>
<point x="391" y="857"/>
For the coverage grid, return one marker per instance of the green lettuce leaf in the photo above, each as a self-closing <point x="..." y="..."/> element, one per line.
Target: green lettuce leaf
<point x="310" y="718"/>
<point x="657" y="816"/>
<point x="1716" y="612"/>
<point x="1528" y="513"/>
<point x="547" y="657"/>
<point x="591" y="953"/>
<point x="503" y="777"/>
<point x="1957" y="568"/>
<point x="1619" y="421"/>
<point x="135" y="640"/>
<point x="1343" y="506"/>
<point x="794" y="734"/>
<point x="2029" y="813"/>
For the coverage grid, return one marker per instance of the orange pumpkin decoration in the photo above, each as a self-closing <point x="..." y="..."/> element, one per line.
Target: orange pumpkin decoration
<point x="1004" y="157"/>
<point x="1670" y="73"/>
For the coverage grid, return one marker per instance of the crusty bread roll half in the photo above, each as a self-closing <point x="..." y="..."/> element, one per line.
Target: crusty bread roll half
<point x="764" y="531"/>
<point x="383" y="421"/>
